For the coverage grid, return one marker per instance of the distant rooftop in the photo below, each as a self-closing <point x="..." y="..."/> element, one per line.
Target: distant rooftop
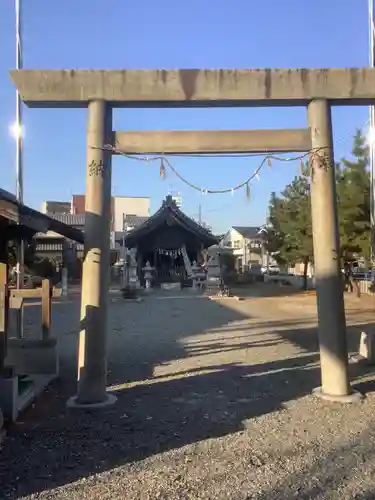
<point x="134" y="220"/>
<point x="247" y="231"/>
<point x="69" y="219"/>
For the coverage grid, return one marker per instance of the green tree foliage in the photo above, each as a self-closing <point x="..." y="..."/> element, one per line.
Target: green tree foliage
<point x="228" y="260"/>
<point x="34" y="265"/>
<point x="44" y="268"/>
<point x="289" y="236"/>
<point x="274" y="235"/>
<point x="29" y="249"/>
<point x="353" y="193"/>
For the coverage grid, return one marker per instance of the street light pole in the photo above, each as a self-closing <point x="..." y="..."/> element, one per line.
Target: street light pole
<point x="18" y="124"/>
<point x="372" y="136"/>
<point x="18" y="137"/>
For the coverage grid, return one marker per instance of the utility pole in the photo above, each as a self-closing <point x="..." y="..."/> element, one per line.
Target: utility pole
<point x="124" y="254"/>
<point x="267" y="262"/>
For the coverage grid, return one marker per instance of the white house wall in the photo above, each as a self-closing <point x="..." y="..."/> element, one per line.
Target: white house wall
<point x="123" y="206"/>
<point x="242" y="251"/>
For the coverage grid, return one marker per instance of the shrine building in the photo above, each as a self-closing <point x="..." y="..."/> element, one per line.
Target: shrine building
<point x="170" y="242"/>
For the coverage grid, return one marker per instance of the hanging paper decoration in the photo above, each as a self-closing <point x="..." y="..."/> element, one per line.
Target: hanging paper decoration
<point x="320" y="161"/>
<point x="169" y="253"/>
<point x="325" y="161"/>
<point x="247" y="187"/>
<point x="163" y="171"/>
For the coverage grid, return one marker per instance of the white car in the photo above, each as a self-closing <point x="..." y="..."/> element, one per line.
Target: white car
<point x="270" y="270"/>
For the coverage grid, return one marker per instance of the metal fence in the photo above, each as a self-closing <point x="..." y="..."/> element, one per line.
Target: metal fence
<point x="366" y="287"/>
<point x="172" y="275"/>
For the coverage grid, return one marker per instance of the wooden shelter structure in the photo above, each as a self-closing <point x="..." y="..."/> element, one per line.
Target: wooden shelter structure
<point x="161" y="238"/>
<point x="18" y="221"/>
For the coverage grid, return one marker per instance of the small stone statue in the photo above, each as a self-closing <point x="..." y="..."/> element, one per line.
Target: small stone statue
<point x="133" y="257"/>
<point x="199" y="276"/>
<point x="133" y="269"/>
<point x="148" y="275"/>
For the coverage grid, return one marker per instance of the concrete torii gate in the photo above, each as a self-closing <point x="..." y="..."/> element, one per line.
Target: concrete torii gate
<point x="101" y="91"/>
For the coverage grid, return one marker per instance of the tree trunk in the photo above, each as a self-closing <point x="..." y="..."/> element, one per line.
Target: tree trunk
<point x="353" y="284"/>
<point x="305" y="268"/>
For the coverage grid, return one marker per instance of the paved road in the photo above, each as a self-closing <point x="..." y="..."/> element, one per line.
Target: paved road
<point x="213" y="402"/>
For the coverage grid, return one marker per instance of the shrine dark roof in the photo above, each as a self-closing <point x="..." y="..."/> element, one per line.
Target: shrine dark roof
<point x="170" y="214"/>
<point x="23" y="220"/>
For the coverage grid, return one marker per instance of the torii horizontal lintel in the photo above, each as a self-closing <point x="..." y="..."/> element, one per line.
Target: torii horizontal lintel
<point x="213" y="141"/>
<point x="195" y="87"/>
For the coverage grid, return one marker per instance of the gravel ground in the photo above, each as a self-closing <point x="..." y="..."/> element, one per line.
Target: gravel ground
<point x="213" y="403"/>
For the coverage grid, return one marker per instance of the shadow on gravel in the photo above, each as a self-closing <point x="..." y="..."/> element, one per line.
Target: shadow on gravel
<point x="307" y="338"/>
<point x="331" y="474"/>
<point x="62" y="447"/>
<point x="269" y="290"/>
<point x="53" y="447"/>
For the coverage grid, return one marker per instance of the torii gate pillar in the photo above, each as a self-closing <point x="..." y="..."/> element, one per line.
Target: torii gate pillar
<point x="92" y="352"/>
<point x="329" y="284"/>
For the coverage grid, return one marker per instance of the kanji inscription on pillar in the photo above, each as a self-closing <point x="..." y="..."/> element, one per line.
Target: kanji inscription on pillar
<point x="96" y="169"/>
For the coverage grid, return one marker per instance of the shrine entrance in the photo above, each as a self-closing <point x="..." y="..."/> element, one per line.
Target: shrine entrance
<point x="169" y="266"/>
<point x="100" y="91"/>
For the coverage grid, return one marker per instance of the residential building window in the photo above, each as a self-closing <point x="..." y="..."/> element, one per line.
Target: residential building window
<point x="237" y="244"/>
<point x="255" y="244"/>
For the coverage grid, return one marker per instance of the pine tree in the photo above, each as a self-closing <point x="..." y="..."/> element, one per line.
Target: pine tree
<point x="274" y="237"/>
<point x="289" y="236"/>
<point x="290" y="232"/>
<point x="353" y="193"/>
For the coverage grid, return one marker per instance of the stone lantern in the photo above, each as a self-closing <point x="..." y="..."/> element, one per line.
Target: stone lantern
<point x="147" y="270"/>
<point x="199" y="276"/>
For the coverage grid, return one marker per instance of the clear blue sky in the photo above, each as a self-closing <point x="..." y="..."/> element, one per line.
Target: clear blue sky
<point x="172" y="34"/>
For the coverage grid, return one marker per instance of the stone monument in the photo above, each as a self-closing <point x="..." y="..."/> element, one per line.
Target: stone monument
<point x="213" y="265"/>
